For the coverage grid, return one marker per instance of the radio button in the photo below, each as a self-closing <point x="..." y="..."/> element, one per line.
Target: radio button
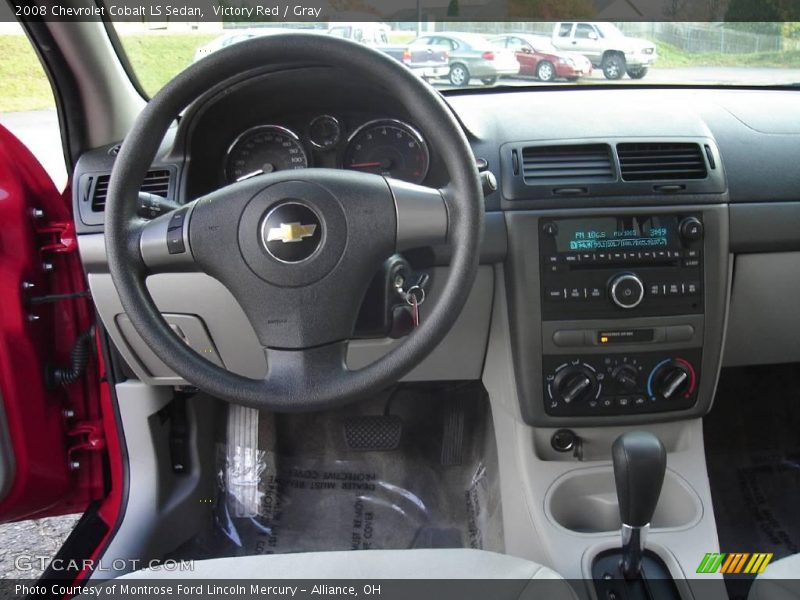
<point x="555" y="294"/>
<point x="617" y="256"/>
<point x="626" y="290"/>
<point x="691" y="288"/>
<point x="551" y="259"/>
<point x="602" y="256"/>
<point x="576" y="293"/>
<point x="691" y="262"/>
<point x="693" y="254"/>
<point x="674" y="289"/>
<point x="594" y="293"/>
<point x="572" y="258"/>
<point x="654" y="289"/>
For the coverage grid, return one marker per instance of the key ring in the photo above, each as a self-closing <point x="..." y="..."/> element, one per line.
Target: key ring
<point x="411" y="293"/>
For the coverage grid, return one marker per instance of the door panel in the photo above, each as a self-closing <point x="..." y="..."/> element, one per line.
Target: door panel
<point x="54" y="463"/>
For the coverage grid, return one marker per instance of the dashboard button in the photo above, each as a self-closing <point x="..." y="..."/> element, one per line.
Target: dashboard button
<point x="691" y="288"/>
<point x="568" y="338"/>
<point x="555" y="294"/>
<point x="576" y="293"/>
<point x="679" y="333"/>
<point x="654" y="289"/>
<point x="594" y="293"/>
<point x="674" y="289"/>
<point x="691" y="262"/>
<point x="175" y="241"/>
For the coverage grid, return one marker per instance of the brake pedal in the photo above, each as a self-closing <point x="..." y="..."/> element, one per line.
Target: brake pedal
<point x="373" y="432"/>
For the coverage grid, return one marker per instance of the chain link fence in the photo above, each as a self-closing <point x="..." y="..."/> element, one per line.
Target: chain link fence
<point x="689" y="37"/>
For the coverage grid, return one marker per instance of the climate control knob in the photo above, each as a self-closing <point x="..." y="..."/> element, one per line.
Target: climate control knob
<point x="626" y="290"/>
<point x="672" y="379"/>
<point x="625" y="376"/>
<point x="574" y="383"/>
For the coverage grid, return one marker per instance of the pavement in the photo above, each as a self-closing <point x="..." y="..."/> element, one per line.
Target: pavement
<point x="25" y="543"/>
<point x="39" y="131"/>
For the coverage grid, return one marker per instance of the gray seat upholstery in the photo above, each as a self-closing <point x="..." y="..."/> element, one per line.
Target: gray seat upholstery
<point x="378" y="564"/>
<point x="780" y="581"/>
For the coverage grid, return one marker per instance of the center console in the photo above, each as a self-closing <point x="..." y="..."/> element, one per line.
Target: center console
<point x="617" y="314"/>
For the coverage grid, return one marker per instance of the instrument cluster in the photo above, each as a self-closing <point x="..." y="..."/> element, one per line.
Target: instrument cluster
<point x="384" y="146"/>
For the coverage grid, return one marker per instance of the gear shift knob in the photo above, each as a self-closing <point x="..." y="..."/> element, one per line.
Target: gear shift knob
<point x="640" y="462"/>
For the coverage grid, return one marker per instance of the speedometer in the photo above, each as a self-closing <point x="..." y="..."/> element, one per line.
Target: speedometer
<point x="263" y="150"/>
<point x="390" y="148"/>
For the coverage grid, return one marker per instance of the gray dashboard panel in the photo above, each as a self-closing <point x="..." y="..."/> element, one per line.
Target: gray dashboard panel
<point x="459" y="356"/>
<point x="764" y="318"/>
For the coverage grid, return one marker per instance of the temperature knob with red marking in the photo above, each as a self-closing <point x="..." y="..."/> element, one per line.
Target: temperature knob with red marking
<point x="671" y="379"/>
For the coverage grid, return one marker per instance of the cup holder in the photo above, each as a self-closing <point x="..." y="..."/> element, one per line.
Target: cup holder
<point x="585" y="501"/>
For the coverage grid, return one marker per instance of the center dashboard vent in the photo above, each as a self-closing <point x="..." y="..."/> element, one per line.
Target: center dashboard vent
<point x="156" y="182"/>
<point x="649" y="161"/>
<point x="567" y="163"/>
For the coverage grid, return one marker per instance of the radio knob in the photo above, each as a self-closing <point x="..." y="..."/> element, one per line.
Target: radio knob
<point x="691" y="229"/>
<point x="626" y="290"/>
<point x="575" y="383"/>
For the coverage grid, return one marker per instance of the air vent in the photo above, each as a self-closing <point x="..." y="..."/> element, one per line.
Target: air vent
<point x="567" y="164"/>
<point x="656" y="161"/>
<point x="155" y="182"/>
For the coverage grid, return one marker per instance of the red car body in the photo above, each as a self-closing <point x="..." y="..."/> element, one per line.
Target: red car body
<point x="538" y="58"/>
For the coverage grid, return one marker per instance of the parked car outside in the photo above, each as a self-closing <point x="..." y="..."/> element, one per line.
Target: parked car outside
<point x="538" y="57"/>
<point x="607" y="47"/>
<point x="473" y="56"/>
<point x="428" y="61"/>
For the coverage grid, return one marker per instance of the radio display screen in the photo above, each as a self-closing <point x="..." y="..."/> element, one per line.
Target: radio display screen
<point x="646" y="232"/>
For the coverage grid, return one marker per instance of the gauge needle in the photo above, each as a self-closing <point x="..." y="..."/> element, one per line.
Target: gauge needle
<point x="365" y="165"/>
<point x="251" y="174"/>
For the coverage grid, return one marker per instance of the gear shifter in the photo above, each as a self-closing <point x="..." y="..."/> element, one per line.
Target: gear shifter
<point x="640" y="462"/>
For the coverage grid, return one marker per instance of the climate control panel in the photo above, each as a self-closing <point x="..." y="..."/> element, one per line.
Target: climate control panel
<point x="620" y="384"/>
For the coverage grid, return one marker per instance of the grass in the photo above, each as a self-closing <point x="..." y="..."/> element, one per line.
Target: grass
<point x="24" y="84"/>
<point x="156" y="58"/>
<point x="670" y="57"/>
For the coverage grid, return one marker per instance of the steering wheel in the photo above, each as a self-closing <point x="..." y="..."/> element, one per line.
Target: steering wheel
<point x="297" y="249"/>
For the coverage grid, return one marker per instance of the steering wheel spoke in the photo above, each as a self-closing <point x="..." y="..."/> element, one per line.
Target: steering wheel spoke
<point x="164" y="244"/>
<point x="296" y="376"/>
<point x="421" y="215"/>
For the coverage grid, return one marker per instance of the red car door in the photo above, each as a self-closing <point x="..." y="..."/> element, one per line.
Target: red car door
<point x="526" y="56"/>
<point x="53" y="433"/>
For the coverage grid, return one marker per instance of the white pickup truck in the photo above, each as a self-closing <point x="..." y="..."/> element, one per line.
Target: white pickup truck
<point x="607" y="47"/>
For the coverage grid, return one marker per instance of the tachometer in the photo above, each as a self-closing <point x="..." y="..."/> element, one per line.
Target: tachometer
<point x="262" y="150"/>
<point x="390" y="148"/>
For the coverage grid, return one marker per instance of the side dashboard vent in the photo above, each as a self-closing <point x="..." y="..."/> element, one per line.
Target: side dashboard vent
<point x="155" y="182"/>
<point x="651" y="161"/>
<point x="567" y="164"/>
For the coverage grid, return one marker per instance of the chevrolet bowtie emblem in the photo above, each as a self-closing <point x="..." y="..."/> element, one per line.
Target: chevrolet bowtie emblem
<point x="290" y="232"/>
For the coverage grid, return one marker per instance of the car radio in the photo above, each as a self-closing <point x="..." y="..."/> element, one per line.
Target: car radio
<point x="621" y="265"/>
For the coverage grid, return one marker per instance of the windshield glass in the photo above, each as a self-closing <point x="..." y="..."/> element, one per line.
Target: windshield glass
<point x="527" y="53"/>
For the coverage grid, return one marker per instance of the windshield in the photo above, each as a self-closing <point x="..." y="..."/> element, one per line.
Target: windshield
<point x="527" y="53"/>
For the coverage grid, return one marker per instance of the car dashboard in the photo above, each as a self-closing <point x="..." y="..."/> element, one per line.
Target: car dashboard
<point x="634" y="239"/>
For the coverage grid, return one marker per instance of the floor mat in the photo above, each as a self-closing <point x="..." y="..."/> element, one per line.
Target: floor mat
<point x="752" y="438"/>
<point x="291" y="483"/>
